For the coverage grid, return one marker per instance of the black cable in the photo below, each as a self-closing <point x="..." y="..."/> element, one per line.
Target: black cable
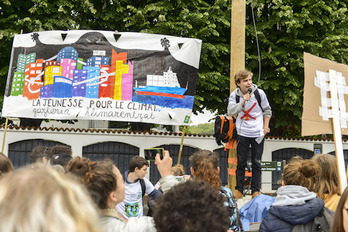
<point x="257" y="42"/>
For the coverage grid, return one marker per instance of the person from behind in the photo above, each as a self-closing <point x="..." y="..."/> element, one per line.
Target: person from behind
<point x="340" y="222"/>
<point x="37" y="198"/>
<point x="5" y="165"/>
<point x="252" y="123"/>
<point x="135" y="185"/>
<point x="192" y="206"/>
<point x="296" y="206"/>
<point x="205" y="166"/>
<point x="178" y="170"/>
<point x="106" y="187"/>
<point x="60" y="160"/>
<point x="61" y="149"/>
<point x="40" y="154"/>
<point x="328" y="188"/>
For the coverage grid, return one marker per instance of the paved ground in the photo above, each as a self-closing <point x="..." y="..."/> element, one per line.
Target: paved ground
<point x="240" y="202"/>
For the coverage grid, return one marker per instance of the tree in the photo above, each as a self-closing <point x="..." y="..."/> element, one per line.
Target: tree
<point x="285" y="29"/>
<point x="205" y="128"/>
<point x="206" y="20"/>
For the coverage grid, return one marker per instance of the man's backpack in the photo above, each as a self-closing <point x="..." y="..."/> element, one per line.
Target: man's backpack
<point x="224" y="129"/>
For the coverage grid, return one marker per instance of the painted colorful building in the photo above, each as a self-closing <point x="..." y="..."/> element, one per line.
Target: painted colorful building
<point x="46" y="91"/>
<point x="79" y="89"/>
<point x="121" y="69"/>
<point x="114" y="58"/>
<point x="62" y="87"/>
<point x="79" y="64"/>
<point x="92" y="88"/>
<point x="50" y="73"/>
<point x="17" y="84"/>
<point x="51" y="63"/>
<point x="24" y="60"/>
<point x="104" y="86"/>
<point x="127" y="83"/>
<point x="96" y="61"/>
<point x="33" y="83"/>
<point x="68" y="66"/>
<point x="69" y="53"/>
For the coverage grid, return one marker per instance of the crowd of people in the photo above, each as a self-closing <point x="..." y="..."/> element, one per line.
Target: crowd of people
<point x="60" y="192"/>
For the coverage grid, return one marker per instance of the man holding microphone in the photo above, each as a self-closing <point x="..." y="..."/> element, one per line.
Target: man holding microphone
<point x="252" y="124"/>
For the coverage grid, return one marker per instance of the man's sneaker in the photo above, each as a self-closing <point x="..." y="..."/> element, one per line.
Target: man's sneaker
<point x="255" y="194"/>
<point x="237" y="195"/>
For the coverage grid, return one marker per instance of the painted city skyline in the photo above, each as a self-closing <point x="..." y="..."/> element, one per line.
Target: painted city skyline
<point x="69" y="76"/>
<point x="102" y="75"/>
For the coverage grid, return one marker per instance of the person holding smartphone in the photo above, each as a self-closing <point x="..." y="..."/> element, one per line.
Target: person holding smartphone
<point x="136" y="185"/>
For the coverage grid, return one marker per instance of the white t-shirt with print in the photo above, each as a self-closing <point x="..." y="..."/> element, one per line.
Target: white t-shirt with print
<point x="132" y="205"/>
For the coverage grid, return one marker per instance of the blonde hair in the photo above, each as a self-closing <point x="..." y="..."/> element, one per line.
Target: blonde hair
<point x="178" y="170"/>
<point x="38" y="198"/>
<point x="5" y="164"/>
<point x="328" y="183"/>
<point x="301" y="172"/>
<point x="241" y="75"/>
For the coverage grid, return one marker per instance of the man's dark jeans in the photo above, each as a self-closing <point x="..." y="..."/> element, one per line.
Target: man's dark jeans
<point x="243" y="144"/>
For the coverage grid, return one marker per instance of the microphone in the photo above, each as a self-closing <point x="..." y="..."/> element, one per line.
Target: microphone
<point x="249" y="91"/>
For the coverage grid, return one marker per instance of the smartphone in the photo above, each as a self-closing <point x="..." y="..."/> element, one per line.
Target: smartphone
<point x="150" y="153"/>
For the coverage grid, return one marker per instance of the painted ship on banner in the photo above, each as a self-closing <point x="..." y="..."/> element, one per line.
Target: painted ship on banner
<point x="162" y="86"/>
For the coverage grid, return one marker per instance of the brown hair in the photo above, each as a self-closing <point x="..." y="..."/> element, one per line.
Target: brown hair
<point x="178" y="170"/>
<point x="241" y="75"/>
<point x="337" y="224"/>
<point x="328" y="178"/>
<point x="5" y="164"/>
<point x="58" y="149"/>
<point x="192" y="206"/>
<point x="205" y="165"/>
<point x="137" y="162"/>
<point x="97" y="176"/>
<point x="40" y="152"/>
<point x="301" y="172"/>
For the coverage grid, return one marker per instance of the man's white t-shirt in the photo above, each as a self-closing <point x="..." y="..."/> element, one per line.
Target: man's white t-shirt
<point x="132" y="205"/>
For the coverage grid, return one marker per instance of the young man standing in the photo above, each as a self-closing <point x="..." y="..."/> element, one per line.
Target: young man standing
<point x="135" y="184"/>
<point x="252" y="124"/>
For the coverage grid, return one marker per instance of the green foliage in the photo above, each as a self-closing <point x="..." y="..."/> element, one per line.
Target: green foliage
<point x="206" y="128"/>
<point x="285" y="29"/>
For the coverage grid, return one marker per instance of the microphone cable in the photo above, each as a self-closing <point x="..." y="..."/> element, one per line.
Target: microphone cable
<point x="257" y="42"/>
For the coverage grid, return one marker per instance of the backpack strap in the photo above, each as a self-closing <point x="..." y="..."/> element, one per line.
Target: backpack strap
<point x="222" y="123"/>
<point x="142" y="184"/>
<point x="143" y="187"/>
<point x="257" y="96"/>
<point x="231" y="128"/>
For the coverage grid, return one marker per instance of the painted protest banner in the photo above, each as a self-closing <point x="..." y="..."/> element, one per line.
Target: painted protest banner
<point x="102" y="75"/>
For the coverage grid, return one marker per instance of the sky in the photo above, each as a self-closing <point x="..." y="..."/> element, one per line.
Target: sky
<point x="202" y="118"/>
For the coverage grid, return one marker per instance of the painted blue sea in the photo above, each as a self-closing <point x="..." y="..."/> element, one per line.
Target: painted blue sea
<point x="186" y="103"/>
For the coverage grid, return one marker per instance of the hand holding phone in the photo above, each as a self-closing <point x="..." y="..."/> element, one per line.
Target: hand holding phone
<point x="150" y="153"/>
<point x="164" y="165"/>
